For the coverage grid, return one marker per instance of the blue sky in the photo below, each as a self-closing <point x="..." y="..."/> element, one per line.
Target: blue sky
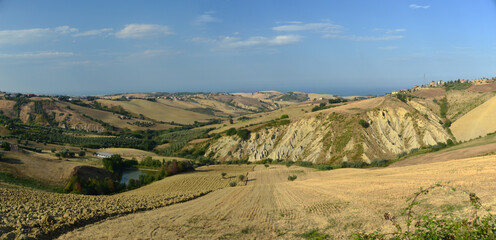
<point x="341" y="47"/>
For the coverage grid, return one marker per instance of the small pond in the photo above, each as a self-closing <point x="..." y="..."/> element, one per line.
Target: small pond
<point x="134" y="173"/>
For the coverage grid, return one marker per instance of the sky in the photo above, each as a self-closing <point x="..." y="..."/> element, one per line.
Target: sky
<point x="339" y="47"/>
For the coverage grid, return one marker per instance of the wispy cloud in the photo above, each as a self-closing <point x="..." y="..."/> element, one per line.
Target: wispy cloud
<point x="289" y="22"/>
<point x="97" y="32"/>
<point x="365" y="38"/>
<point x="324" y="27"/>
<point x="143" y="31"/>
<point x="205" y="19"/>
<point x="37" y="55"/>
<point x="415" y="6"/>
<point x="234" y="42"/>
<point x="23" y="36"/>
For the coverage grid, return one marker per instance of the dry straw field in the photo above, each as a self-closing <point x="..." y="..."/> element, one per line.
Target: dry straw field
<point x="45" y="215"/>
<point x="337" y="203"/>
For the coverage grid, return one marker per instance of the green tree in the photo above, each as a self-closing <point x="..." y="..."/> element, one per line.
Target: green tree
<point x="114" y="164"/>
<point x="284" y="116"/>
<point x="364" y="123"/>
<point x="6" y="146"/>
<point x="81" y="153"/>
<point x="244" y="134"/>
<point x="231" y="131"/>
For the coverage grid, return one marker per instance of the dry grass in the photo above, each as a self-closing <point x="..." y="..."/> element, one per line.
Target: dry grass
<point x="337" y="202"/>
<point x="158" y="111"/>
<point x="45" y="215"/>
<point x="139" y="155"/>
<point x="478" y="122"/>
<point x="38" y="166"/>
<point x="113" y="119"/>
<point x="430" y="92"/>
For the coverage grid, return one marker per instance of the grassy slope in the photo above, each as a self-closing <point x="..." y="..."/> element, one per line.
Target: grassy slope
<point x="478" y="122"/>
<point x="112" y="118"/>
<point x="158" y="111"/>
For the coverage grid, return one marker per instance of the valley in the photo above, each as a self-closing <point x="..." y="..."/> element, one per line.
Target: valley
<point x="239" y="165"/>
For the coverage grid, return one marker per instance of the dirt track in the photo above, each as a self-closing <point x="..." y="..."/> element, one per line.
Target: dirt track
<point x="337" y="202"/>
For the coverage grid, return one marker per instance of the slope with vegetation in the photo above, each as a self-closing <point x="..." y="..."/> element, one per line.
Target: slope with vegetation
<point x="359" y="131"/>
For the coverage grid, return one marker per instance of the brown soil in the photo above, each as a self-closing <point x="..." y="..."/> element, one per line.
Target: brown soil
<point x="447" y="155"/>
<point x="430" y="93"/>
<point x="489" y="87"/>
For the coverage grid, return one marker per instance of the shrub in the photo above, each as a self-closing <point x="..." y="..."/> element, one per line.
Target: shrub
<point x="266" y="165"/>
<point x="364" y="123"/>
<point x="323" y="167"/>
<point x="284" y="116"/>
<point x="347" y="164"/>
<point x="233" y="184"/>
<point x="244" y="134"/>
<point x="223" y="174"/>
<point x="231" y="131"/>
<point x="292" y="177"/>
<point x="53" y="150"/>
<point x="81" y="153"/>
<point x="304" y="164"/>
<point x="402" y="97"/>
<point x="432" y="226"/>
<point x="289" y="163"/>
<point x="241" y="178"/>
<point x="314" y="234"/>
<point x="6" y="146"/>
<point x="379" y="163"/>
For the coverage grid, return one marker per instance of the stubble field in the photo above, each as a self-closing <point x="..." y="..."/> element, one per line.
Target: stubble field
<point x="337" y="203"/>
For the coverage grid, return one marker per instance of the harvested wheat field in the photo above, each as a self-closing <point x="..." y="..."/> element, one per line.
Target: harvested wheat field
<point x="476" y="123"/>
<point x="41" y="167"/>
<point x="338" y="203"/>
<point x="158" y="111"/>
<point x="45" y="215"/>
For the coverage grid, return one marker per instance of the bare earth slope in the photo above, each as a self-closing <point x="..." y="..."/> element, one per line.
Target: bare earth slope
<point x="337" y="202"/>
<point x="478" y="122"/>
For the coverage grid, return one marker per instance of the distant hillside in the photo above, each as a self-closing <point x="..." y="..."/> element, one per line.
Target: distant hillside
<point x="359" y="131"/>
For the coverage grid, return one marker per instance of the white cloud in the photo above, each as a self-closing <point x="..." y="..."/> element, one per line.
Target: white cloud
<point x="23" y="36"/>
<point x="205" y="19"/>
<point x="364" y="38"/>
<point x="65" y="30"/>
<point x="234" y="42"/>
<point x="289" y="22"/>
<point x="96" y="32"/>
<point x="398" y="30"/>
<point x="415" y="6"/>
<point x="324" y="27"/>
<point x="143" y="31"/>
<point x="388" y="48"/>
<point x="37" y="55"/>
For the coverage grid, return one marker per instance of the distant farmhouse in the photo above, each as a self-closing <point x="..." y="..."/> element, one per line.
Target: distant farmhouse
<point x="103" y="154"/>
